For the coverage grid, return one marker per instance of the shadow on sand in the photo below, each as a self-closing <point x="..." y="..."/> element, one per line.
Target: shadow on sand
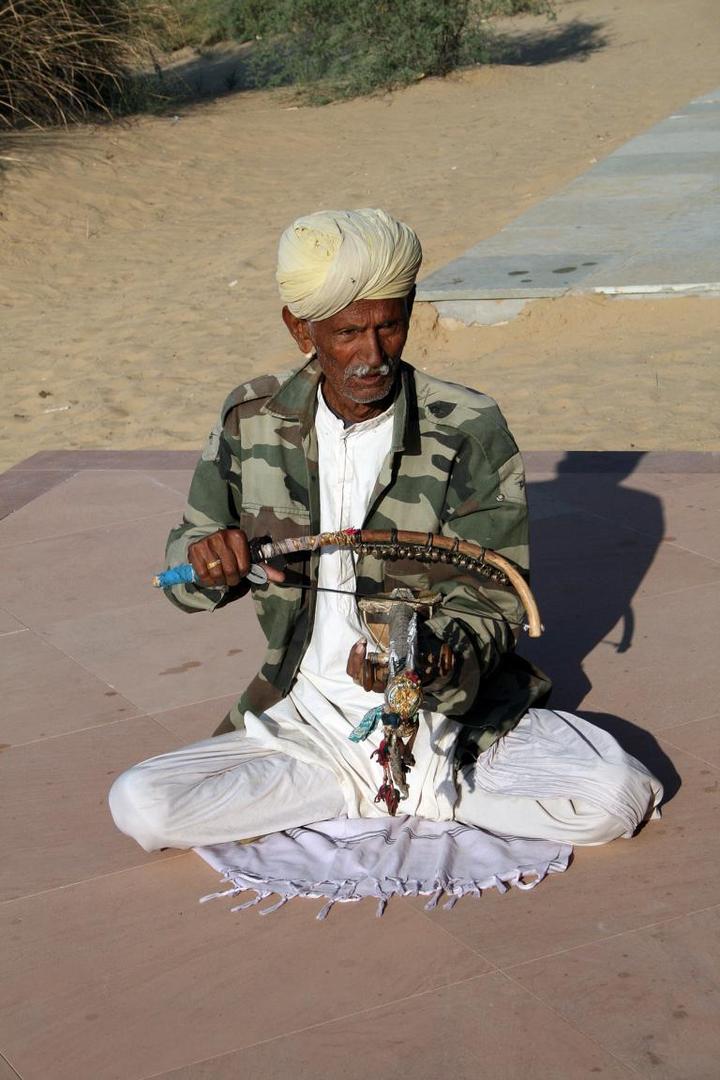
<point x="573" y="41"/>
<point x="228" y="68"/>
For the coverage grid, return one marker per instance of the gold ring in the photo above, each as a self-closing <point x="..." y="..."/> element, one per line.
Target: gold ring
<point x="215" y="562"/>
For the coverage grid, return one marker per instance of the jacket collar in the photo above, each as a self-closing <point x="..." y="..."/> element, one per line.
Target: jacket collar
<point x="297" y="396"/>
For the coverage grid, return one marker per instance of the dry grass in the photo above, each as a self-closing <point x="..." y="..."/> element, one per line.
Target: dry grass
<point x="62" y="60"/>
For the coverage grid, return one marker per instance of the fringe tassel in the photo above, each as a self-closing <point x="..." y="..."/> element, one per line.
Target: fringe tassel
<point x="251" y="903"/>
<point x="325" y="910"/>
<point x="345" y="891"/>
<point x="433" y="901"/>
<point x="275" y="907"/>
<point x="218" y="895"/>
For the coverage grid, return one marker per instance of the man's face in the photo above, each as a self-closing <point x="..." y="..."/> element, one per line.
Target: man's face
<point x="359" y="352"/>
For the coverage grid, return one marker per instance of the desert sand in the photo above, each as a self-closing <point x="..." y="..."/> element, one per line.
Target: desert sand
<point x="136" y="266"/>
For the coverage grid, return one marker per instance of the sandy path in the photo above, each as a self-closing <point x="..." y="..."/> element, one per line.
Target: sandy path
<point x="136" y="262"/>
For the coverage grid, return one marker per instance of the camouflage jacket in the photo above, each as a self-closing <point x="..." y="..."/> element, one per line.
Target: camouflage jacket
<point x="453" y="468"/>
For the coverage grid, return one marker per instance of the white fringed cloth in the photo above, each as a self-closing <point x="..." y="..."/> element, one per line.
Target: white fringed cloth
<point x="348" y="859"/>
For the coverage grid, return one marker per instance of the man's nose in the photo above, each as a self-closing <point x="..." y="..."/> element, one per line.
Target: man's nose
<point x="374" y="353"/>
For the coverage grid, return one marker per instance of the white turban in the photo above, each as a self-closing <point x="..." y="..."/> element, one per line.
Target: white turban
<point x="335" y="257"/>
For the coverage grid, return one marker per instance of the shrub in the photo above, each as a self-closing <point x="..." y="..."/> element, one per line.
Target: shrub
<point x="63" y="59"/>
<point x="342" y="48"/>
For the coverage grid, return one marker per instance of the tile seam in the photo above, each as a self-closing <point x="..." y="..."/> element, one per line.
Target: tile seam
<point x="683" y="750"/>
<point x="686" y="723"/>
<point x="82" y="730"/>
<point x="547" y="1004"/>
<point x="79" y="532"/>
<point x="620" y="526"/>
<point x="322" y="1024"/>
<point x="41" y="636"/>
<point x="95" y="877"/>
<point x="674" y="592"/>
<point x="610" y="937"/>
<point x="10" y="1065"/>
<point x="140" y="715"/>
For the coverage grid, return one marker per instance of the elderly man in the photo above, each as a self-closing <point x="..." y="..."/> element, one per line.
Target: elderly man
<point x="357" y="437"/>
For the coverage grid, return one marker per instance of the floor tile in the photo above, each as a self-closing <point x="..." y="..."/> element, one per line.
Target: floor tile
<point x="652" y="998"/>
<point x="175" y="479"/>
<point x="653" y="661"/>
<point x="107" y="460"/>
<point x="7" y="1072"/>
<point x="143" y="978"/>
<point x="99" y="570"/>
<point x="487" y="1027"/>
<point x="670" y="868"/>
<point x="9" y="624"/>
<point x="45" y="693"/>
<point x="162" y="658"/>
<point x="89" y="500"/>
<point x="701" y="738"/>
<point x="18" y="488"/>
<point x="670" y="675"/>
<point x="53" y="794"/>
<point x="191" y="723"/>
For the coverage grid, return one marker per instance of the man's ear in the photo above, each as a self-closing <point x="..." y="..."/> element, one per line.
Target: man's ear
<point x="409" y="301"/>
<point x="299" y="331"/>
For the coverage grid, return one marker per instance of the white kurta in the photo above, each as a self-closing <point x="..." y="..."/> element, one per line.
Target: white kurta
<point x="314" y="721"/>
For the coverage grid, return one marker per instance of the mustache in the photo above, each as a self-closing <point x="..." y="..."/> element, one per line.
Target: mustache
<point x="387" y="367"/>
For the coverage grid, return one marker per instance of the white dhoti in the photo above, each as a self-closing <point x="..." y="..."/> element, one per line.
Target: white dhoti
<point x="572" y="784"/>
<point x="555" y="777"/>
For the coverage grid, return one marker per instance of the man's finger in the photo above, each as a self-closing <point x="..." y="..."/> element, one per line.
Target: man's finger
<point x="199" y="555"/>
<point x="367" y="675"/>
<point x="356" y="659"/>
<point x="221" y="562"/>
<point x="237" y="543"/>
<point x="228" y="561"/>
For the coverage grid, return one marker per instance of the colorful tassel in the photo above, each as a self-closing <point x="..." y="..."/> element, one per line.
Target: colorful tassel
<point x="367" y="725"/>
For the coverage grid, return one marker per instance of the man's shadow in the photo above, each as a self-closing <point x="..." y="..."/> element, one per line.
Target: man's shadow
<point x="593" y="539"/>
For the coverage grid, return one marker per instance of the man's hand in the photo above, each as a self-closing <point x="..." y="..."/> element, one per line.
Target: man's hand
<point x="364" y="670"/>
<point x="223" y="559"/>
<point x="371" y="675"/>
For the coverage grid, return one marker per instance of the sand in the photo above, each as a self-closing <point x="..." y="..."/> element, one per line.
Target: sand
<point x="136" y="266"/>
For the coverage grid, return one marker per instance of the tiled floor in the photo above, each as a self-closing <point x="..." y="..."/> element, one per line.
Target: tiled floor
<point x="113" y="971"/>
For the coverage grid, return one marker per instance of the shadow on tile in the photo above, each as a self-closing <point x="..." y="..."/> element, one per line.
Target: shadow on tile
<point x="600" y="559"/>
